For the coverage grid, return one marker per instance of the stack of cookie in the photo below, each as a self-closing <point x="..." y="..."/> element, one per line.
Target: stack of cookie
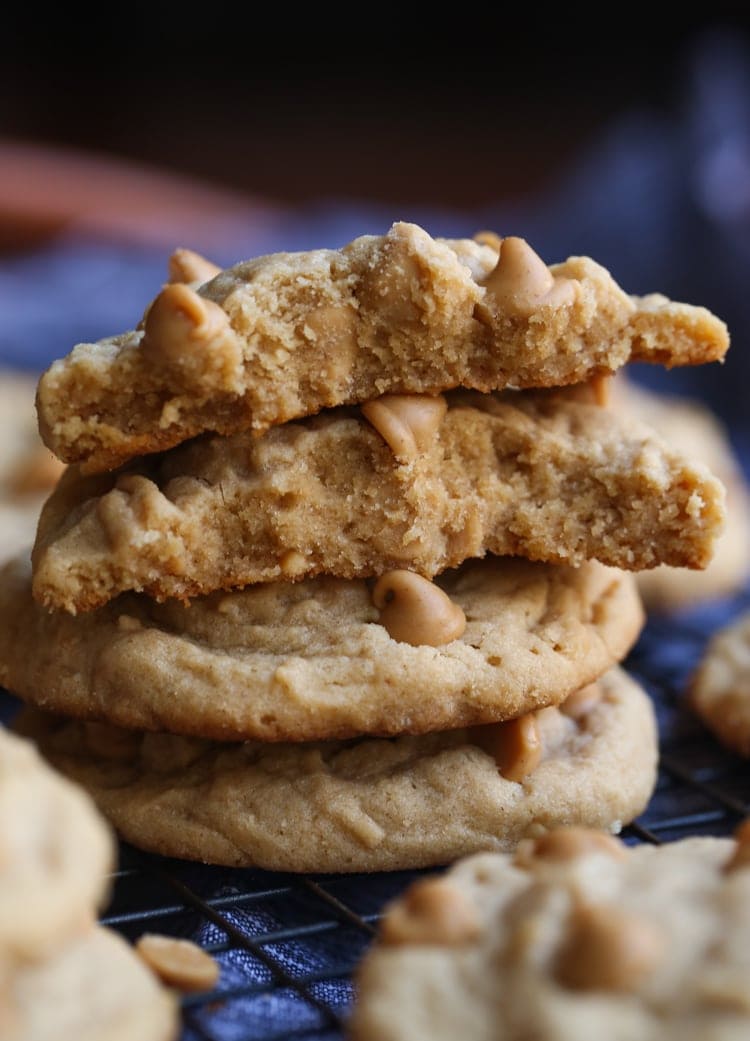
<point x="62" y="977"/>
<point x="352" y="598"/>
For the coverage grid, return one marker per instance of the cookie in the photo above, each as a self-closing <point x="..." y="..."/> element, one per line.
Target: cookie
<point x="55" y="854"/>
<point x="693" y="430"/>
<point x="311" y="660"/>
<point x="573" y="937"/>
<point x="286" y="335"/>
<point x="720" y="686"/>
<point x="28" y="470"/>
<point x="369" y="804"/>
<point x="94" y="989"/>
<point x="529" y="474"/>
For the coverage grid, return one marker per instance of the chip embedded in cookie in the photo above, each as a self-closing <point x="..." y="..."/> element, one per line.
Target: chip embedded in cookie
<point x="421" y="484"/>
<point x="368" y="804"/>
<point x="572" y="937"/>
<point x="283" y="336"/>
<point x="301" y="661"/>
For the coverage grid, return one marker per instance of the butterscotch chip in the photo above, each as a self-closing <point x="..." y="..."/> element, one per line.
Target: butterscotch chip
<point x="432" y="912"/>
<point x="185" y="265"/>
<point x="407" y="422"/>
<point x="690" y="428"/>
<point x="367" y="804"/>
<point x="580" y="701"/>
<point x="416" y="611"/>
<point x="527" y="474"/>
<point x="399" y="313"/>
<point x="178" y="963"/>
<point x="719" y="690"/>
<point x="515" y="746"/>
<point x="571" y="843"/>
<point x="92" y="989"/>
<point x="294" y="661"/>
<point x="650" y="945"/>
<point x="55" y="853"/>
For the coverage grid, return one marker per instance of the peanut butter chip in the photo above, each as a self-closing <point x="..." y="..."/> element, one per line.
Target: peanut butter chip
<point x="416" y="611"/>
<point x="433" y="911"/>
<point x="580" y="702"/>
<point x="741" y="856"/>
<point x="406" y="422"/>
<point x="179" y="963"/>
<point x="187" y="266"/>
<point x="515" y="746"/>
<point x="521" y="282"/>
<point x="489" y="238"/>
<point x="608" y="949"/>
<point x="571" y="843"/>
<point x="187" y="333"/>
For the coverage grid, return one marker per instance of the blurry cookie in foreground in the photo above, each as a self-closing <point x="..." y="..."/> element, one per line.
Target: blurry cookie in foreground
<point x="95" y="989"/>
<point x="55" y="855"/>
<point x="573" y="937"/>
<point x="368" y="804"/>
<point x="28" y="470"/>
<point x="407" y="481"/>
<point x="720" y="687"/>
<point x="691" y="428"/>
<point x="325" y="657"/>
<point x="283" y="336"/>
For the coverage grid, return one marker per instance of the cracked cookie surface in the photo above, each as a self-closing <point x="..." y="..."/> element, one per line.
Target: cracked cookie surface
<point x="306" y="660"/>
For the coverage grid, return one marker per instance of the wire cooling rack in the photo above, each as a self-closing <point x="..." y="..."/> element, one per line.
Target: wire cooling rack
<point x="287" y="944"/>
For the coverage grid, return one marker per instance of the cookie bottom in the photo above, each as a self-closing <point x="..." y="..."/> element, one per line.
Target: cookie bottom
<point x="361" y="805"/>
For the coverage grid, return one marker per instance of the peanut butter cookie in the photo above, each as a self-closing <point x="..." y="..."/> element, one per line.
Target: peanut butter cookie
<point x="419" y="484"/>
<point x="284" y="336"/>
<point x="55" y="854"/>
<point x="720" y="686"/>
<point x="326" y="657"/>
<point x="367" y="804"/>
<point x="575" y="937"/>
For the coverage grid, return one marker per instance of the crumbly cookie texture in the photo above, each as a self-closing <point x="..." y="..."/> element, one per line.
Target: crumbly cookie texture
<point x="28" y="470"/>
<point x="367" y="804"/>
<point x="309" y="660"/>
<point x="572" y="938"/>
<point x="286" y="335"/>
<point x="720" y="686"/>
<point x="55" y="853"/>
<point x="94" y="989"/>
<point x="694" y="431"/>
<point x="520" y="473"/>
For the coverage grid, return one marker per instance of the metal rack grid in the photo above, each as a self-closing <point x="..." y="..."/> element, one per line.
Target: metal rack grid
<point x="287" y="944"/>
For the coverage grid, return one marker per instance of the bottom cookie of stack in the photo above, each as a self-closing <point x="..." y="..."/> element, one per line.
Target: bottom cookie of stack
<point x="368" y="804"/>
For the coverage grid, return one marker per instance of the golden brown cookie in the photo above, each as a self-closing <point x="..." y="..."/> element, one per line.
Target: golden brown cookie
<point x="284" y="336"/>
<point x="575" y="937"/>
<point x="720" y="686"/>
<point x="367" y="804"/>
<point x="55" y="854"/>
<point x="529" y="474"/>
<point x="93" y="989"/>
<point x="693" y="430"/>
<point x="310" y="660"/>
<point x="28" y="470"/>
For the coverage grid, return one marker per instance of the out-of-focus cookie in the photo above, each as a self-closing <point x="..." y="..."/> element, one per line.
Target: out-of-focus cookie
<point x="93" y="989"/>
<point x="325" y="658"/>
<point x="720" y="686"/>
<point x="573" y="937"/>
<point x="693" y="430"/>
<point x="28" y="470"/>
<point x="411" y="486"/>
<point x="55" y="854"/>
<point x="286" y="335"/>
<point x="368" y="804"/>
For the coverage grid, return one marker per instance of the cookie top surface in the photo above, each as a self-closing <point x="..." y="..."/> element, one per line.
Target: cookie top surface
<point x="524" y="473"/>
<point x="286" y="335"/>
<point x="28" y="470"/>
<point x="55" y="854"/>
<point x="310" y="660"/>
<point x="369" y="804"/>
<point x="720" y="686"/>
<point x="693" y="430"/>
<point x="572" y="938"/>
<point x="94" y="989"/>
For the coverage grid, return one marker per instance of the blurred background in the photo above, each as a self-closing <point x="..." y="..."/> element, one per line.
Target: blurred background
<point x="236" y="135"/>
